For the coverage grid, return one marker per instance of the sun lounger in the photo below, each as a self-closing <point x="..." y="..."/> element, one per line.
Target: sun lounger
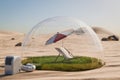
<point x="67" y="55"/>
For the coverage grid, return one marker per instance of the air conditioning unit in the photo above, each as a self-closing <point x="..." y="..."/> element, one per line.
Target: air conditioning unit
<point x="12" y="65"/>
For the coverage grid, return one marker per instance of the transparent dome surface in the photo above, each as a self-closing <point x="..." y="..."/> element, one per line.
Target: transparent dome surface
<point x="82" y="41"/>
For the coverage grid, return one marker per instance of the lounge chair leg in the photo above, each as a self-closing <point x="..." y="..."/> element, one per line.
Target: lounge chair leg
<point x="57" y="58"/>
<point x="63" y="60"/>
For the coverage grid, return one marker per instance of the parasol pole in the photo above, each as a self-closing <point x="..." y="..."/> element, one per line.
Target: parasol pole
<point x="62" y="43"/>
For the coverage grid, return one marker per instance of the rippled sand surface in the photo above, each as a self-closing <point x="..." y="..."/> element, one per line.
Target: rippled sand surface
<point x="111" y="71"/>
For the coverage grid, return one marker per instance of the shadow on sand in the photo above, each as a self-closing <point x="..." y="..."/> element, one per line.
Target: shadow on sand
<point x="113" y="65"/>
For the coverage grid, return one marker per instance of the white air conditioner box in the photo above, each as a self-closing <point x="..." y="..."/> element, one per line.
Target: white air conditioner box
<point x="12" y="65"/>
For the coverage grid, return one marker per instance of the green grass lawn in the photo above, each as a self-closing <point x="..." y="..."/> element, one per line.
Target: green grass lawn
<point x="77" y="64"/>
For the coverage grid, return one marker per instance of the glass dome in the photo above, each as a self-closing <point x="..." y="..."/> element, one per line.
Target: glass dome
<point x="77" y="37"/>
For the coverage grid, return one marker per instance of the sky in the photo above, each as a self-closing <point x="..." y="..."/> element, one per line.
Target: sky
<point x="22" y="15"/>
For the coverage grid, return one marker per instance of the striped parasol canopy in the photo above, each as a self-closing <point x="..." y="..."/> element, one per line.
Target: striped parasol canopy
<point x="58" y="36"/>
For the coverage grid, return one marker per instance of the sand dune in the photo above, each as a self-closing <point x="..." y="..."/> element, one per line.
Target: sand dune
<point x="100" y="30"/>
<point x="8" y="33"/>
<point x="110" y="71"/>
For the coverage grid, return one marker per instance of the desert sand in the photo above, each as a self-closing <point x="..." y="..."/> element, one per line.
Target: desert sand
<point x="110" y="55"/>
